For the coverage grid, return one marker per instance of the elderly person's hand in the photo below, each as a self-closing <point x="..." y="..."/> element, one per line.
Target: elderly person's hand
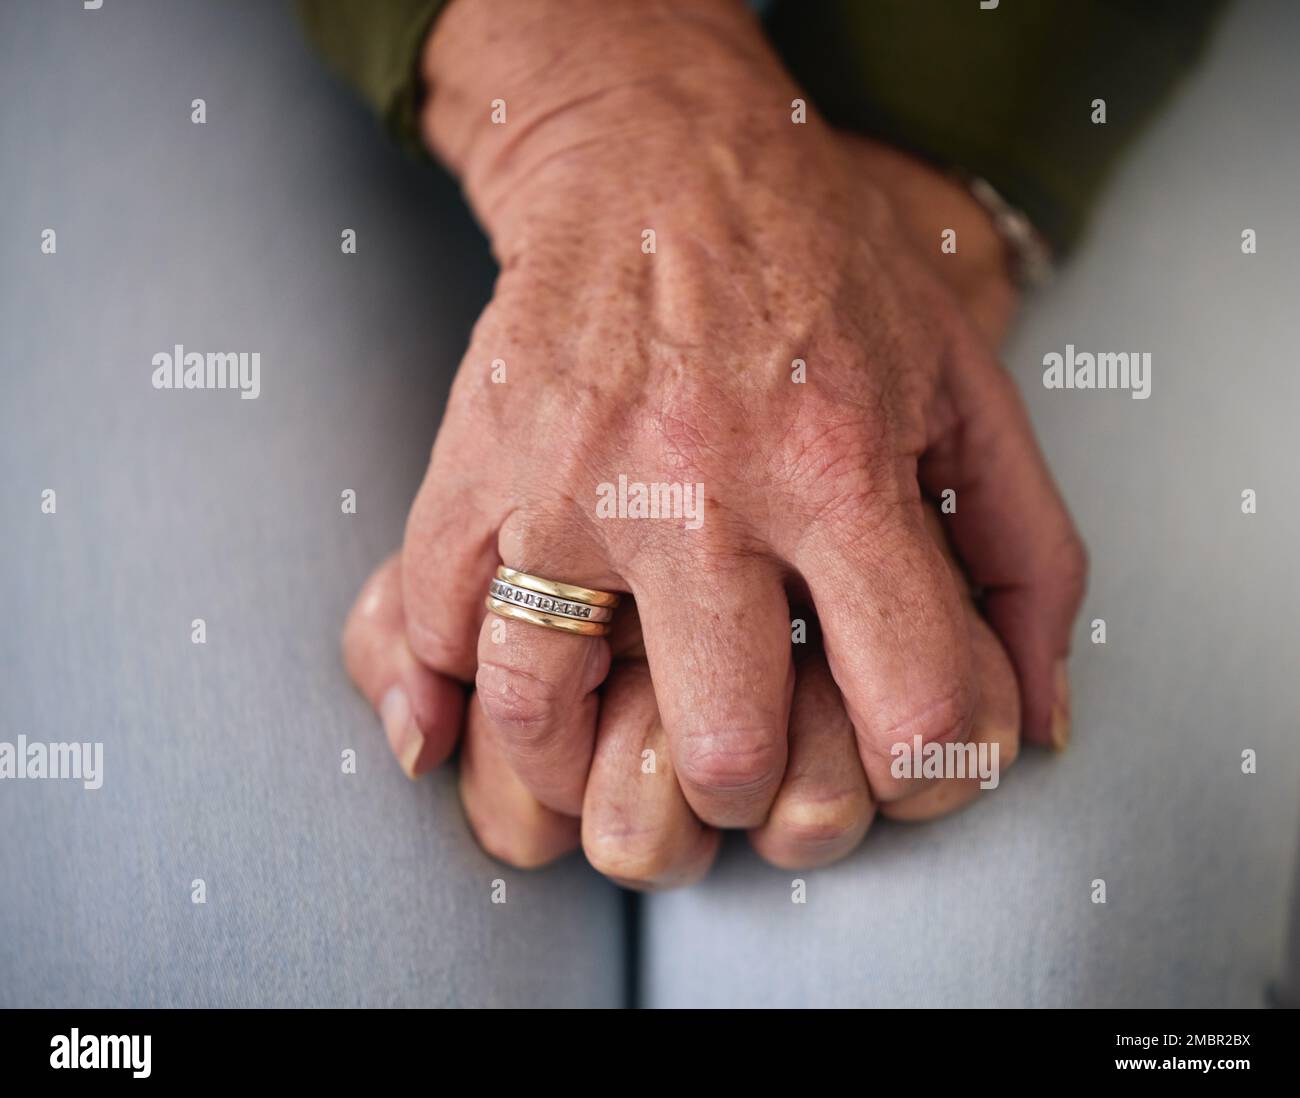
<point x="637" y="827"/>
<point x="697" y="289"/>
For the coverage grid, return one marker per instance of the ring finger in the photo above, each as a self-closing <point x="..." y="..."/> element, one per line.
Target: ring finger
<point x="537" y="685"/>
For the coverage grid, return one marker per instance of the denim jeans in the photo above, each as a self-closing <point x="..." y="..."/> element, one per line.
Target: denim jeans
<point x="254" y="843"/>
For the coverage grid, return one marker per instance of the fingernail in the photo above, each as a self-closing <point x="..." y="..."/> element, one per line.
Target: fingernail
<point x="1061" y="708"/>
<point x="404" y="735"/>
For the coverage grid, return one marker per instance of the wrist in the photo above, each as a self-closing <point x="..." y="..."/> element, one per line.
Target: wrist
<point x="523" y="91"/>
<point x="927" y="203"/>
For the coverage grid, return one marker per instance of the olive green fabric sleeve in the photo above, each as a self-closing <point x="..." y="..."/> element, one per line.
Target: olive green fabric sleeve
<point x="1005" y="93"/>
<point x="375" y="46"/>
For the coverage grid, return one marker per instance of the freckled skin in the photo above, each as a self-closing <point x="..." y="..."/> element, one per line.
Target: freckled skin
<point x="773" y="242"/>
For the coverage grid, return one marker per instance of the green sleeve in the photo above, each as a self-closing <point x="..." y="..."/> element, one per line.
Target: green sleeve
<point x="375" y="46"/>
<point x="1004" y="93"/>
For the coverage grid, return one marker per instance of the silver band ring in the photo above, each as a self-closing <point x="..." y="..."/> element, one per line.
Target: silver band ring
<point x="548" y="604"/>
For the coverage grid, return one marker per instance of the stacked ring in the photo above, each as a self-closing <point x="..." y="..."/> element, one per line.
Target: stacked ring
<point x="551" y="604"/>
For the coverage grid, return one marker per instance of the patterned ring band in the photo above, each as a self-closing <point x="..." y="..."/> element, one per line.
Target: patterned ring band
<point x="557" y="590"/>
<point x="551" y="604"/>
<point x="548" y="604"/>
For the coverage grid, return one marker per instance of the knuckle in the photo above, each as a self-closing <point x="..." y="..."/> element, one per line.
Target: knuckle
<point x="815" y="823"/>
<point x="945" y="718"/>
<point x="741" y="760"/>
<point x="828" y="451"/>
<point x="717" y="558"/>
<point x="371" y="622"/>
<point x="627" y="854"/>
<point x="544" y="531"/>
<point x="515" y="700"/>
<point x="355" y="642"/>
<point x="844" y="507"/>
<point x="1070" y="564"/>
<point x="843" y="483"/>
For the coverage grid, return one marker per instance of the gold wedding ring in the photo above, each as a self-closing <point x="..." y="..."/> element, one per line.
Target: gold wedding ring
<point x="557" y="590"/>
<point x="551" y="604"/>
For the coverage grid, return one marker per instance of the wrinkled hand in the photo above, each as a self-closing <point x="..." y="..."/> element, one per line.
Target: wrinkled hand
<point x="598" y="357"/>
<point x="637" y="827"/>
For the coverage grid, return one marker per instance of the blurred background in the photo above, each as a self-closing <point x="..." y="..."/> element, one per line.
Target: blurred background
<point x="222" y="760"/>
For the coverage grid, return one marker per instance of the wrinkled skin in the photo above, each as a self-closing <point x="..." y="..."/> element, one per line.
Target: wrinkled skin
<point x="773" y="242"/>
<point x="636" y="825"/>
